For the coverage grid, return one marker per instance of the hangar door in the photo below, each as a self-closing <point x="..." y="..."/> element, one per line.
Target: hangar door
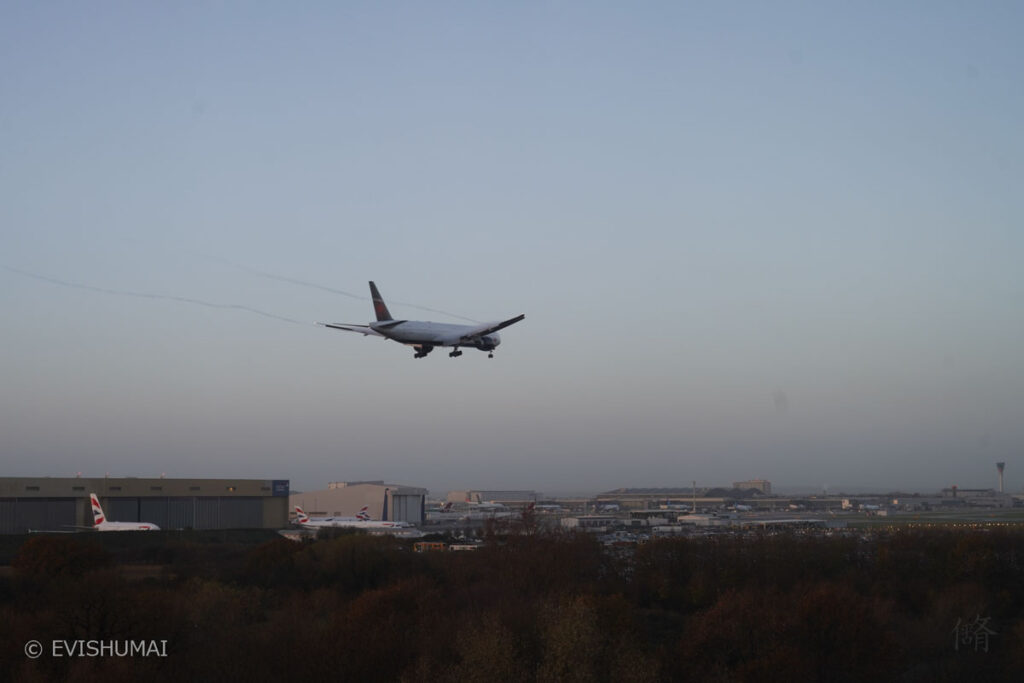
<point x="407" y="509"/>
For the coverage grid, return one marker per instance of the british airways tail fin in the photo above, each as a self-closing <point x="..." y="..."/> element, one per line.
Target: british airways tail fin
<point x="300" y="516"/>
<point x="97" y="512"/>
<point x="379" y="307"/>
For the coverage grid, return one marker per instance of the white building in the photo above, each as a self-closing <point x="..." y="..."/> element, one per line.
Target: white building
<point x="593" y="523"/>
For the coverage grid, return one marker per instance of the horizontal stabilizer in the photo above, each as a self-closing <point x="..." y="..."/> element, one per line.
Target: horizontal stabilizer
<point x="361" y="329"/>
<point x="389" y="324"/>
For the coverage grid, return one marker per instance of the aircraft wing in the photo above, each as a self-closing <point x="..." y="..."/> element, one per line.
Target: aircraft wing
<point x="361" y="329"/>
<point x="487" y="328"/>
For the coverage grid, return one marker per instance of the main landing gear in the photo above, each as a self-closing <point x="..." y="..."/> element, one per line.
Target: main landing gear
<point x="422" y="351"/>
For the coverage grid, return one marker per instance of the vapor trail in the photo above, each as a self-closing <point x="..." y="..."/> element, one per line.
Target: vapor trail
<point x="147" y="295"/>
<point x="282" y="278"/>
<point x="314" y="285"/>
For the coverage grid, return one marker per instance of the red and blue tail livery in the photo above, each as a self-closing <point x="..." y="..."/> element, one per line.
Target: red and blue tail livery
<point x="100" y="523"/>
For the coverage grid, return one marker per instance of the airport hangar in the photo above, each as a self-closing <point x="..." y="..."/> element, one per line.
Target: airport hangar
<point x="388" y="502"/>
<point x="56" y="503"/>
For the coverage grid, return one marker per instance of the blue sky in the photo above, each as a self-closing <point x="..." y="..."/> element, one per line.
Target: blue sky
<point x="773" y="240"/>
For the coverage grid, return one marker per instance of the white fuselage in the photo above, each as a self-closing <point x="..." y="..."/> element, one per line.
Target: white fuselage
<point x="353" y="524"/>
<point x="100" y="522"/>
<point x="126" y="526"/>
<point x="325" y="521"/>
<point x="486" y="514"/>
<point x="419" y="332"/>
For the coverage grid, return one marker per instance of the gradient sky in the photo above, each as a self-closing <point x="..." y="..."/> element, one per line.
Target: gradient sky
<point x="779" y="240"/>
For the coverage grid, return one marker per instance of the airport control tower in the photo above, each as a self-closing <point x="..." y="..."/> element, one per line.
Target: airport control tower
<point x="999" y="467"/>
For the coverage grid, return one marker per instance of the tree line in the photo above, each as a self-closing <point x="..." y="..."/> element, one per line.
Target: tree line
<point x="934" y="605"/>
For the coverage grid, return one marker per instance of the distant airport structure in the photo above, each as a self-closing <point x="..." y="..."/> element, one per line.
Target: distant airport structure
<point x="977" y="497"/>
<point x="762" y="485"/>
<point x="521" y="497"/>
<point x="688" y="497"/>
<point x="383" y="501"/>
<point x="62" y="504"/>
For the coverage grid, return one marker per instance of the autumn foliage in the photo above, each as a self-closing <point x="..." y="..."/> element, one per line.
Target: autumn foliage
<point x="529" y="607"/>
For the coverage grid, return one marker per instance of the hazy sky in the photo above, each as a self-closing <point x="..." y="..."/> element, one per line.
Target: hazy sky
<point x="779" y="240"/>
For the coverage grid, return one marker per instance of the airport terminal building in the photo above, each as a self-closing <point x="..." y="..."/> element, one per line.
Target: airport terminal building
<point x="57" y="504"/>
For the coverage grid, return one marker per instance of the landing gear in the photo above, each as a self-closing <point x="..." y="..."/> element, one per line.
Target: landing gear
<point x="490" y="355"/>
<point x="456" y="353"/>
<point x="422" y="351"/>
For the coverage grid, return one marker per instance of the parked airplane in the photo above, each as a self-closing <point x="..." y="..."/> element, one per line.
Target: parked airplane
<point x="301" y="518"/>
<point x="100" y="522"/>
<point x="486" y="505"/>
<point x="361" y="521"/>
<point x="444" y="509"/>
<point x="486" y="510"/>
<point x="423" y="335"/>
<point x="442" y="513"/>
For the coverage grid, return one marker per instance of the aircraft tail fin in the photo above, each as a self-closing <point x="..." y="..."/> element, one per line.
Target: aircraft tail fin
<point x="300" y="516"/>
<point x="364" y="513"/>
<point x="97" y="512"/>
<point x="379" y="307"/>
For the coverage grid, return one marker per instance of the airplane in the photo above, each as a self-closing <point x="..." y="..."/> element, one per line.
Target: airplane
<point x="361" y="521"/>
<point x="443" y="510"/>
<point x="423" y="335"/>
<point x="486" y="510"/>
<point x="486" y="505"/>
<point x="100" y="522"/>
<point x="301" y="518"/>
